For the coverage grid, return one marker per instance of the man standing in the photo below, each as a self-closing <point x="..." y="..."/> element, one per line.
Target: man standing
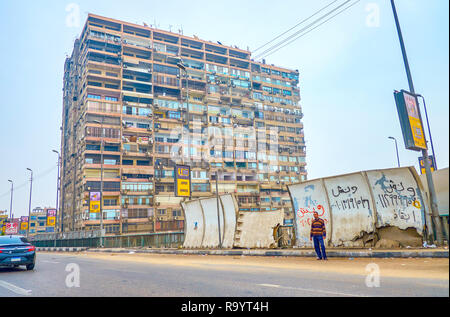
<point x="318" y="233"/>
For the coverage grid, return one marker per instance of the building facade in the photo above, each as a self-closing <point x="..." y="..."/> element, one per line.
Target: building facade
<point x="141" y="97"/>
<point x="42" y="220"/>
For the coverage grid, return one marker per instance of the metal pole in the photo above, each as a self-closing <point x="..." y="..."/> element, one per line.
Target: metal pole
<point x="29" y="206"/>
<point x="10" y="205"/>
<point x="218" y="213"/>
<point x="101" y="186"/>
<point x="396" y="149"/>
<point x="57" y="195"/>
<point x="187" y="114"/>
<point x="431" y="189"/>
<point x="429" y="131"/>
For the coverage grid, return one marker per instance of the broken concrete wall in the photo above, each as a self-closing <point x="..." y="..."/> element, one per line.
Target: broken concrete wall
<point x="211" y="216"/>
<point x="202" y="222"/>
<point x="255" y="229"/>
<point x="440" y="181"/>
<point x="194" y="227"/>
<point x="357" y="207"/>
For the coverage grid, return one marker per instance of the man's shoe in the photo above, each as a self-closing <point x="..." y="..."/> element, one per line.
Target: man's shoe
<point x="318" y="259"/>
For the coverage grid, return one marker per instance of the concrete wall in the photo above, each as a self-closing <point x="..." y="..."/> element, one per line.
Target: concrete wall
<point x="202" y="227"/>
<point x="356" y="206"/>
<point x="194" y="227"/>
<point x="230" y="207"/>
<point x="440" y="180"/>
<point x="255" y="229"/>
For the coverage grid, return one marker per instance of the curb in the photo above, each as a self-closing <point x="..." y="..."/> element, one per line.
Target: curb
<point x="63" y="249"/>
<point x="297" y="253"/>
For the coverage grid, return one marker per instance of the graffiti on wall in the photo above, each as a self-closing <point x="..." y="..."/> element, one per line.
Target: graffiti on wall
<point x="348" y="204"/>
<point x="398" y="199"/>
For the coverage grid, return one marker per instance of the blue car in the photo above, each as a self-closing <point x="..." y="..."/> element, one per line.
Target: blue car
<point x="15" y="251"/>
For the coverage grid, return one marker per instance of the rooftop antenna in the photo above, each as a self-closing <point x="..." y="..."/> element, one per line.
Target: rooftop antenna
<point x="170" y="28"/>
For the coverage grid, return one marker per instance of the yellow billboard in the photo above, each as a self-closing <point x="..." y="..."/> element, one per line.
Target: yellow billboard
<point x="94" y="206"/>
<point x="183" y="188"/>
<point x="51" y="221"/>
<point x="182" y="181"/>
<point x="414" y="121"/>
<point x="24" y="226"/>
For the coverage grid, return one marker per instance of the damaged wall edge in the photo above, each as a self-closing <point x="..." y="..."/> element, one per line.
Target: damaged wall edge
<point x="398" y="209"/>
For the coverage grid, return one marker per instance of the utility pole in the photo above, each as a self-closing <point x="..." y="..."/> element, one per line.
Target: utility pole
<point x="29" y="206"/>
<point x="10" y="205"/>
<point x="218" y="212"/>
<point x="101" y="180"/>
<point x="57" y="194"/>
<point x="431" y="189"/>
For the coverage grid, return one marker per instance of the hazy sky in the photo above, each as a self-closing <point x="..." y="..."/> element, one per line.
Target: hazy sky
<point x="349" y="68"/>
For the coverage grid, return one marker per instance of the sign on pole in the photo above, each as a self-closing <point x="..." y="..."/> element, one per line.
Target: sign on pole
<point x="422" y="164"/>
<point x="410" y="121"/>
<point x="182" y="181"/>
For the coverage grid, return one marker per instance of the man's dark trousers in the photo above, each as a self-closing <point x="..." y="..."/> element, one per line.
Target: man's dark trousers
<point x="319" y="244"/>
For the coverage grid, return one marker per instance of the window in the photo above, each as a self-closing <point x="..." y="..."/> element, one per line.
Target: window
<point x="94" y="97"/>
<point x="143" y="125"/>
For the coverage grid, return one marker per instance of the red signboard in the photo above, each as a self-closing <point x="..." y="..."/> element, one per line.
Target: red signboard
<point x="12" y="228"/>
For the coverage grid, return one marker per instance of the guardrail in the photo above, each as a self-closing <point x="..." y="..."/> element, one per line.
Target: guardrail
<point x="92" y="240"/>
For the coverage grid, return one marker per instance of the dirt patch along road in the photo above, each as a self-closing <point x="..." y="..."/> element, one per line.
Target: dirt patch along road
<point x="434" y="268"/>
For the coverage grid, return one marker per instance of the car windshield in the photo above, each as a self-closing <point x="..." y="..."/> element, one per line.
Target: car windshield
<point x="6" y="240"/>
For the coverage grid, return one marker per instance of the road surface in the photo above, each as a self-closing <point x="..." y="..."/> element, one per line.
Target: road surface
<point x="157" y="275"/>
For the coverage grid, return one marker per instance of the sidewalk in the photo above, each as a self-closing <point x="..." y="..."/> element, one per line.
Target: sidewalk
<point x="306" y="252"/>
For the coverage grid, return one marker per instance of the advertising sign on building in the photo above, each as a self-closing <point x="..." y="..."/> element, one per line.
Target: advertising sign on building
<point x="3" y="219"/>
<point x="94" y="202"/>
<point x="182" y="181"/>
<point x="51" y="217"/>
<point x="51" y="221"/>
<point x="410" y="121"/>
<point x="24" y="226"/>
<point x="12" y="228"/>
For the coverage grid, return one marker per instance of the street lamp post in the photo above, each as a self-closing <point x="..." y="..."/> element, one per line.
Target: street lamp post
<point x="29" y="206"/>
<point x="10" y="205"/>
<point x="101" y="181"/>
<point x="396" y="149"/>
<point x="57" y="193"/>
<point x="218" y="212"/>
<point x="182" y="67"/>
<point x="431" y="189"/>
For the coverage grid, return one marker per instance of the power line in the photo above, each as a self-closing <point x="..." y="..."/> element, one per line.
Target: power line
<point x="301" y="22"/>
<point x="301" y="30"/>
<point x="303" y="34"/>
<point x="38" y="176"/>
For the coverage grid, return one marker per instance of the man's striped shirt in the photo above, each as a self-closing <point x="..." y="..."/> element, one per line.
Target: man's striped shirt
<point x="318" y="228"/>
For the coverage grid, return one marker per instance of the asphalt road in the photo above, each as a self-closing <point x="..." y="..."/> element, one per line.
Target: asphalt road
<point x="73" y="275"/>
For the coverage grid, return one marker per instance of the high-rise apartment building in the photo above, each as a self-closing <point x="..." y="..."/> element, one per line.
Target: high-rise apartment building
<point x="131" y="95"/>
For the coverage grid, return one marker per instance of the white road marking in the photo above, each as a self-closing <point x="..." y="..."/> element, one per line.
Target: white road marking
<point x="53" y="262"/>
<point x="311" y="290"/>
<point x="15" y="289"/>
